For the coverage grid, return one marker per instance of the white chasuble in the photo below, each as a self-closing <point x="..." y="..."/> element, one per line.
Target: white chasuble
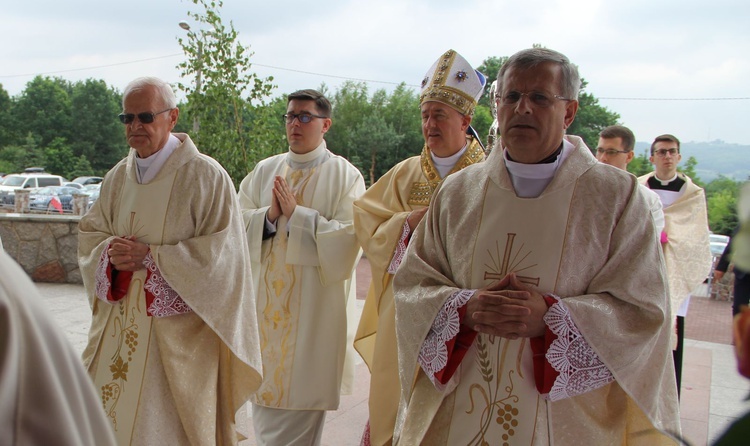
<point x="279" y="300"/>
<point x="496" y="400"/>
<point x="127" y="341"/>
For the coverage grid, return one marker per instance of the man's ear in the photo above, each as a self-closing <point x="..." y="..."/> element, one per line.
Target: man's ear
<point x="466" y="122"/>
<point x="327" y="124"/>
<point x="571" y="108"/>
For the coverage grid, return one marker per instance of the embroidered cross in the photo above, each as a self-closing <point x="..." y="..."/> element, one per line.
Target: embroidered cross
<point x="508" y="264"/>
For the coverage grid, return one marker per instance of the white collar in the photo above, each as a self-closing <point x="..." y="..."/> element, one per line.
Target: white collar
<point x="148" y="168"/>
<point x="665" y="182"/>
<point x="530" y="180"/>
<point x="445" y="165"/>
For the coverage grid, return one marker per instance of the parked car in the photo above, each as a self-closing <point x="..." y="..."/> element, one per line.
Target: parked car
<point x="41" y="199"/>
<point x="25" y="181"/>
<point x="718" y="242"/>
<point x="88" y="180"/>
<point x="93" y="192"/>
<point x="78" y="186"/>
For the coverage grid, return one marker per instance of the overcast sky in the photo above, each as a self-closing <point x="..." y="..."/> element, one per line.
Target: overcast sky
<point x="686" y="53"/>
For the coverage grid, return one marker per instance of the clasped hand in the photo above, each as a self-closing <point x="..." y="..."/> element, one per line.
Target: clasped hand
<point x="283" y="200"/>
<point x="127" y="254"/>
<point x="507" y="308"/>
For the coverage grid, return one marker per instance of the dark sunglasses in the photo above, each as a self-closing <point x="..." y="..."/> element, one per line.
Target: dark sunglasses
<point x="145" y="117"/>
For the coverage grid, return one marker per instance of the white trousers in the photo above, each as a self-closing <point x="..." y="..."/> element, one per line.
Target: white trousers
<point x="281" y="427"/>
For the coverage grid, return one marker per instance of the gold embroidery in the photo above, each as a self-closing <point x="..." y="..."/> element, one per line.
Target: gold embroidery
<point x="496" y="400"/>
<point x="279" y="300"/>
<point x="438" y="90"/>
<point x="125" y="328"/>
<point x="499" y="269"/>
<point x="421" y="192"/>
<point x="134" y="227"/>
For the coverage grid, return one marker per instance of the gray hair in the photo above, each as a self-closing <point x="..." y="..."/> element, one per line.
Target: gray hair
<point x="163" y="88"/>
<point x="529" y="58"/>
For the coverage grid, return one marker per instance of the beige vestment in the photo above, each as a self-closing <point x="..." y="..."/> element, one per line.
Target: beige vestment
<point x="583" y="239"/>
<point x="190" y="372"/>
<point x="687" y="253"/>
<point x="46" y="398"/>
<point x="379" y="217"/>
<point x="305" y="278"/>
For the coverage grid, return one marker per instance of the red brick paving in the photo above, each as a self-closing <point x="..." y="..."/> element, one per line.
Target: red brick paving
<point x="709" y="320"/>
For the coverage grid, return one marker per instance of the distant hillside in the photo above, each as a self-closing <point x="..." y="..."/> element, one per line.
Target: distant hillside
<point x="714" y="158"/>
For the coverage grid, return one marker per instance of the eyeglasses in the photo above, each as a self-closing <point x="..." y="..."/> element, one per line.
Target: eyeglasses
<point x="304" y="118"/>
<point x="537" y="98"/>
<point x="661" y="153"/>
<point x="610" y="152"/>
<point x="145" y="117"/>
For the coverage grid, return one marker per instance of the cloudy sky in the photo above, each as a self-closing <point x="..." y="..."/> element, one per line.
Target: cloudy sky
<point x="680" y="67"/>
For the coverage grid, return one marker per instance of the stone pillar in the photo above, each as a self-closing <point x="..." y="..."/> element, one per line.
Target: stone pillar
<point x="80" y="204"/>
<point x="22" y="201"/>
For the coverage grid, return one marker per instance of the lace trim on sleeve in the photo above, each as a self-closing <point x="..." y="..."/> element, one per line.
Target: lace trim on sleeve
<point x="433" y="356"/>
<point x="102" y="284"/>
<point x="398" y="256"/>
<point x="579" y="367"/>
<point x="166" y="301"/>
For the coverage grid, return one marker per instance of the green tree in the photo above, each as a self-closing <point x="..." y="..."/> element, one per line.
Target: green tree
<point x="224" y="92"/>
<point x="44" y="110"/>
<point x="721" y="198"/>
<point x="100" y="137"/>
<point x="8" y="128"/>
<point x="265" y="130"/>
<point x="375" y="132"/>
<point x="10" y="159"/>
<point x="481" y="122"/>
<point x="640" y="165"/>
<point x="372" y="137"/>
<point x="490" y="67"/>
<point x="27" y="154"/>
<point x="81" y="168"/>
<point x="351" y="105"/>
<point x="722" y="212"/>
<point x="59" y="158"/>
<point x="591" y="118"/>
<point x="401" y="112"/>
<point x="689" y="169"/>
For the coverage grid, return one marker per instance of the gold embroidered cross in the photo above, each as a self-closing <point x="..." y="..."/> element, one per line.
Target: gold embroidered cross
<point x="498" y="271"/>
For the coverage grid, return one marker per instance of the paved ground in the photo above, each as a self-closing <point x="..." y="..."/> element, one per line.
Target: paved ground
<point x="713" y="392"/>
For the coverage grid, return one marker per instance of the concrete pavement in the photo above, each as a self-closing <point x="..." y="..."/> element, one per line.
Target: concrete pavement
<point x="713" y="392"/>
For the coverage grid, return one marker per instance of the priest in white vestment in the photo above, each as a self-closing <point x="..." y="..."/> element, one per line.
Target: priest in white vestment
<point x="685" y="242"/>
<point x="531" y="307"/>
<point x="297" y="208"/>
<point x="386" y="215"/>
<point x="45" y="395"/>
<point x="173" y="347"/>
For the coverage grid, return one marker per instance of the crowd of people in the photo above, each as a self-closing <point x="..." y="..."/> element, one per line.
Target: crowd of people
<point x="529" y="292"/>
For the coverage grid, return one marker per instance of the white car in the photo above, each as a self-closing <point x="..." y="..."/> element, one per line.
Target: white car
<point x="718" y="242"/>
<point x="25" y="181"/>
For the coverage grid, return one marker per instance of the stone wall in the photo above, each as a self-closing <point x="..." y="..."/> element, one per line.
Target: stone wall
<point x="46" y="246"/>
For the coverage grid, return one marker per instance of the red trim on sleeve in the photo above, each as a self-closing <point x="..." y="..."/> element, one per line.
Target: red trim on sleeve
<point x="544" y="373"/>
<point x="457" y="348"/>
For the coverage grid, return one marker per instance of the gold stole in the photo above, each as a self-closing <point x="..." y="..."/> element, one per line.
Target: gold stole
<point x="124" y="348"/>
<point x="497" y="397"/>
<point x="421" y="192"/>
<point x="279" y="299"/>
